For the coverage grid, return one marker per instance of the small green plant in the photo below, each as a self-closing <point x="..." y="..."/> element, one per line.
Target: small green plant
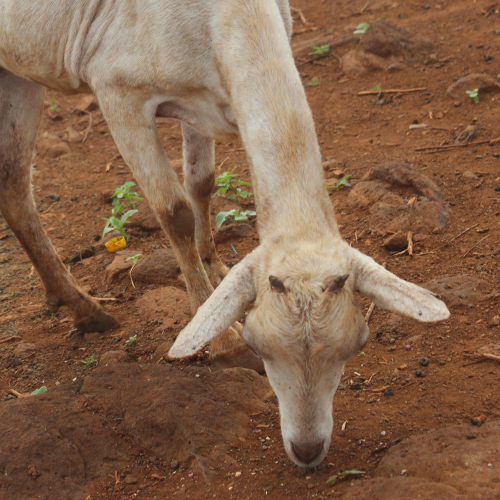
<point x="473" y="94"/>
<point x="123" y="194"/>
<point x="377" y="88"/>
<point x="313" y="83"/>
<point x="41" y="390"/>
<point x="114" y="223"/>
<point x="54" y="108"/>
<point x="132" y="341"/>
<point x="233" y="214"/>
<point x="88" y="362"/>
<point x="121" y="197"/>
<point x="343" y="182"/>
<point x="135" y="258"/>
<point x="361" y="29"/>
<point x="228" y="182"/>
<point x="343" y="475"/>
<point x="319" y="50"/>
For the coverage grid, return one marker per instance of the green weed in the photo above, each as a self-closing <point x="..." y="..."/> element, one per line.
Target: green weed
<point x="343" y="182"/>
<point x="236" y="215"/>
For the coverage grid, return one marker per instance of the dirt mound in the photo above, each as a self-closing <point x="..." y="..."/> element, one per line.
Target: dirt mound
<point x="460" y="290"/>
<point x="160" y="268"/>
<point x="55" y="445"/>
<point x="384" y="189"/>
<point x="454" y="463"/>
<point x="385" y="46"/>
<point x="167" y="306"/>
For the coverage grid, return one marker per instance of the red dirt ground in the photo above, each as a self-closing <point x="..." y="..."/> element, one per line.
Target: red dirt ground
<point x="358" y="134"/>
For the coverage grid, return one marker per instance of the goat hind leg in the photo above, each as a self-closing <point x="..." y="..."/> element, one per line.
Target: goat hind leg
<point x="199" y="183"/>
<point x="21" y="104"/>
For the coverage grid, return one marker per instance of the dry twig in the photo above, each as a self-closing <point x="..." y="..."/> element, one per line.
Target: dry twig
<point x="301" y="15"/>
<point x="458" y="235"/>
<point x="50" y="208"/>
<point x="472" y="248"/>
<point x="88" y="127"/>
<point x="466" y="145"/>
<point x="391" y="91"/>
<point x="8" y="339"/>
<point x="17" y="394"/>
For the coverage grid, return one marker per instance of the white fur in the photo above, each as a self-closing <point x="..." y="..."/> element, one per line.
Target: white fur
<point x="225" y="67"/>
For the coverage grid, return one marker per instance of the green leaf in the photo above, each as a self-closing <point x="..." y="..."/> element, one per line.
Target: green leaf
<point x="361" y="29"/>
<point x="41" y="390"/>
<point x="128" y="214"/>
<point x="232" y="196"/>
<point x="313" y="83"/>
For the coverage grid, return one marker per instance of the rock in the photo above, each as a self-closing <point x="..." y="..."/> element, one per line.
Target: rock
<point x="388" y="393"/>
<point x="470" y="176"/>
<point x="405" y="175"/>
<point x="484" y="83"/>
<point x="145" y="218"/>
<point x="71" y="135"/>
<point x="495" y="321"/>
<point x="86" y="102"/>
<point x="424" y="361"/>
<point x="396" y="242"/>
<point x="160" y="267"/>
<point x="112" y="358"/>
<point x="232" y="232"/>
<point x="442" y="464"/>
<point x="385" y="39"/>
<point x="168" y="412"/>
<point x="359" y="62"/>
<point x="51" y="146"/>
<point x="119" y="266"/>
<point x="460" y="290"/>
<point x="24" y="349"/>
<point x="421" y="217"/>
<point x="131" y="479"/>
<point x="366" y="193"/>
<point x="168" y="306"/>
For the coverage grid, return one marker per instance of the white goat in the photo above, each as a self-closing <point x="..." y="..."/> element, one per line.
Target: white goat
<point x="222" y="67"/>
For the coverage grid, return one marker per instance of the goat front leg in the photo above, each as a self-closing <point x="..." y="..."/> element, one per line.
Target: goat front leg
<point x="227" y="350"/>
<point x="21" y="104"/>
<point x="199" y="181"/>
<point x="131" y="121"/>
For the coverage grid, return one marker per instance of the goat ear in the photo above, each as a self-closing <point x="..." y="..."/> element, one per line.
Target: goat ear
<point x="394" y="294"/>
<point x="276" y="284"/>
<point x="336" y="283"/>
<point x="226" y="304"/>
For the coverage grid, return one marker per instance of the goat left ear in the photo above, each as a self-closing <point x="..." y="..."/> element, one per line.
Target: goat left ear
<point x="337" y="283"/>
<point x="226" y="304"/>
<point x="394" y="294"/>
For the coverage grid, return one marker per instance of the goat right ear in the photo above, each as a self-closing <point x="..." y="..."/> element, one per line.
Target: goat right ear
<point x="225" y="306"/>
<point x="394" y="294"/>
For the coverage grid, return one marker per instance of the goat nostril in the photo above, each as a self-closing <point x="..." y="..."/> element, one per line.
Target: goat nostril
<point x="309" y="452"/>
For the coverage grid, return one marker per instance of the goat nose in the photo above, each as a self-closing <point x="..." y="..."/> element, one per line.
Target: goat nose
<point x="307" y="453"/>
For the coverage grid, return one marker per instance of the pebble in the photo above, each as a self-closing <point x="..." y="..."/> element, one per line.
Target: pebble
<point x="174" y="464"/>
<point x="383" y="433"/>
<point x="420" y="374"/>
<point x="497" y="188"/>
<point x="424" y="361"/>
<point x="237" y="474"/>
<point x="388" y="392"/>
<point x="407" y="347"/>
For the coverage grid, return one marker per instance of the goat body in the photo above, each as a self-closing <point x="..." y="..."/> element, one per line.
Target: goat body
<point x="223" y="68"/>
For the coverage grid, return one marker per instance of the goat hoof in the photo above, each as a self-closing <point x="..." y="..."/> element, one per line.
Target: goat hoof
<point x="240" y="357"/>
<point x="100" y="322"/>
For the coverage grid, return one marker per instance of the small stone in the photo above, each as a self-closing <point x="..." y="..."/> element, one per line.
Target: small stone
<point x="388" y="392"/>
<point x="383" y="433"/>
<point x="424" y="361"/>
<point x="237" y="474"/>
<point x="24" y="349"/>
<point x="495" y="321"/>
<point x="407" y="347"/>
<point x="420" y="374"/>
<point x="497" y="188"/>
<point x="396" y="242"/>
<point x="478" y="421"/>
<point x="471" y="436"/>
<point x="174" y="464"/>
<point x="131" y="479"/>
